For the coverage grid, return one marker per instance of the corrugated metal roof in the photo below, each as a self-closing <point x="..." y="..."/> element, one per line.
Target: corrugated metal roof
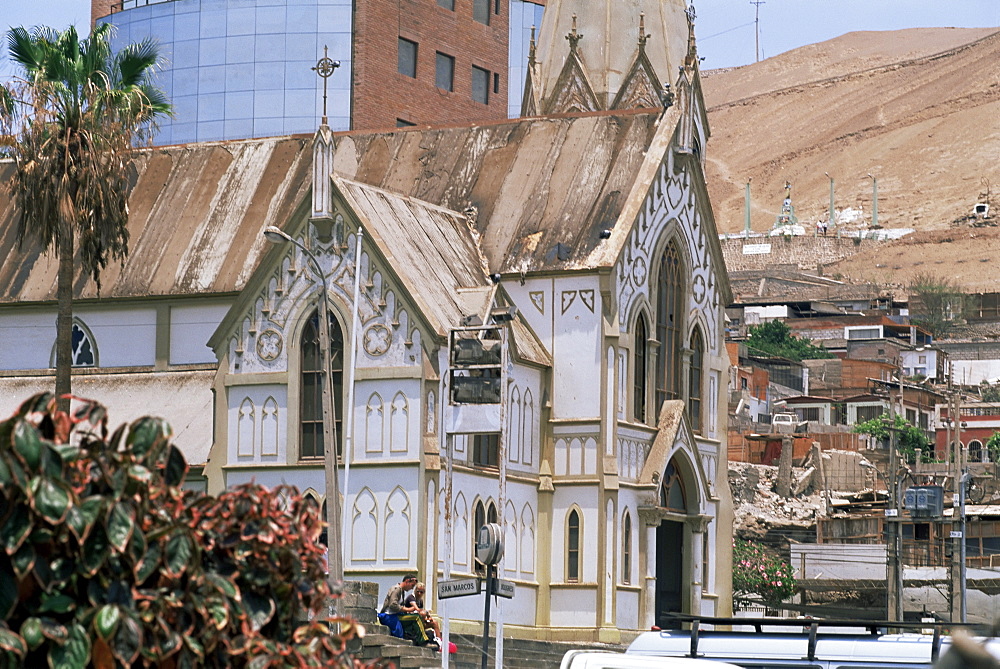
<point x="535" y="182"/>
<point x="128" y="396"/>
<point x="195" y="217"/>
<point x="197" y="210"/>
<point x="433" y="250"/>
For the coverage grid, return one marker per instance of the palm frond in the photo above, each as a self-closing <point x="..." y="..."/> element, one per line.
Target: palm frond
<point x="25" y="50"/>
<point x="132" y="65"/>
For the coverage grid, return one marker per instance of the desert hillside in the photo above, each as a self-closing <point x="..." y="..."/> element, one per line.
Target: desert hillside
<point x="919" y="109"/>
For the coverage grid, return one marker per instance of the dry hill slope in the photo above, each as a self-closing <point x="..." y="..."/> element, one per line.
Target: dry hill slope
<point x="920" y="109"/>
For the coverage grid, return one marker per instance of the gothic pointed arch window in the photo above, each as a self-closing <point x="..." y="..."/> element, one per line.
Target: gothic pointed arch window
<point x="672" y="493"/>
<point x="669" y="316"/>
<point x="311" y="388"/>
<point x="574" y="532"/>
<point x="639" y="359"/>
<point x="627" y="549"/>
<point x="695" y="372"/>
<point x="84" y="346"/>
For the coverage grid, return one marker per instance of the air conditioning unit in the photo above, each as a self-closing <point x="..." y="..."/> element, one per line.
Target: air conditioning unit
<point x="924" y="501"/>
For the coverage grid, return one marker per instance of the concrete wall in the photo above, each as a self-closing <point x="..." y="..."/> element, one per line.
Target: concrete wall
<point x="807" y="253"/>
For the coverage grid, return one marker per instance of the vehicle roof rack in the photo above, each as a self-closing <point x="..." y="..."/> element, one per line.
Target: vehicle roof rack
<point x="813" y="624"/>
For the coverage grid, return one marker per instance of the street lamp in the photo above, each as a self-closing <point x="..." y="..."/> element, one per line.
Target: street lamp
<point x="333" y="515"/>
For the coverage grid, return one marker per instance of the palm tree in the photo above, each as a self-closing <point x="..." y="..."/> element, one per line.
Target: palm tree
<point x="71" y="123"/>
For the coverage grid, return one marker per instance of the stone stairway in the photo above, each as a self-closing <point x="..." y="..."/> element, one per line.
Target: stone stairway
<point x="359" y="601"/>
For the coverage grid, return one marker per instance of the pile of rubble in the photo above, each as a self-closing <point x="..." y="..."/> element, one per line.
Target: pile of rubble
<point x="760" y="510"/>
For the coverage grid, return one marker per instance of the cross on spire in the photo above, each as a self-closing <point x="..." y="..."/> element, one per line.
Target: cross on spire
<point x="324" y="68"/>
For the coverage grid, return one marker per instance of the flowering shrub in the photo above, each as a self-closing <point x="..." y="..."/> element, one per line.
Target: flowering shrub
<point x="760" y="576"/>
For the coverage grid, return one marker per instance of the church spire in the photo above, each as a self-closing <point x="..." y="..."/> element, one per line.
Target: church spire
<point x="607" y="55"/>
<point x="692" y="49"/>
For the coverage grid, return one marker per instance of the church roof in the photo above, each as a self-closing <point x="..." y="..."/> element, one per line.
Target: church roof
<point x="432" y="250"/>
<point x="195" y="217"/>
<point x="544" y="189"/>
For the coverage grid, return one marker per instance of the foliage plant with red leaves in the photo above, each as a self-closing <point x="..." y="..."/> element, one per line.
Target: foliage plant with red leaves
<point x="107" y="561"/>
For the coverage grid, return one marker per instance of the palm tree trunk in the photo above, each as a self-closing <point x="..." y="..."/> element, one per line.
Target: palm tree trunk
<point x="64" y="318"/>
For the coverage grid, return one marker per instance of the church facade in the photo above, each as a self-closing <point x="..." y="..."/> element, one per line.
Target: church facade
<point x="527" y="324"/>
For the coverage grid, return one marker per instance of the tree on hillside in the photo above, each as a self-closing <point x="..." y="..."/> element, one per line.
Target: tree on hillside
<point x="776" y="338"/>
<point x="70" y="124"/>
<point x="938" y="302"/>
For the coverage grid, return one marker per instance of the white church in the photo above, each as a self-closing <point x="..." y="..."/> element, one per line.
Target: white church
<point x="539" y="322"/>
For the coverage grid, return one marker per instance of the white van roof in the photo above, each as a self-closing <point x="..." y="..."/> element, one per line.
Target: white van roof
<point x="735" y="646"/>
<point x="591" y="659"/>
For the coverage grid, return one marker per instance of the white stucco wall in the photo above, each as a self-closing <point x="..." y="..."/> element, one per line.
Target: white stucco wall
<point x="191" y="326"/>
<point x="26" y="339"/>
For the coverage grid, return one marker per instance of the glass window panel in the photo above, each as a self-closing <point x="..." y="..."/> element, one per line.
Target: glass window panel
<point x="480" y="85"/>
<point x="407" y="58"/>
<point x="444" y="74"/>
<point x="481" y="11"/>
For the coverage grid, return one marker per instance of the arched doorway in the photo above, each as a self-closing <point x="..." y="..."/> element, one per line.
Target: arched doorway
<point x="670" y="549"/>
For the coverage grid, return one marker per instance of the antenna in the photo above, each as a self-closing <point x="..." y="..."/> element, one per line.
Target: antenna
<point x="756" y="22"/>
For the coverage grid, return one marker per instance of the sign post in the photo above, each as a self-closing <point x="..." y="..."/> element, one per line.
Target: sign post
<point x="489" y="550"/>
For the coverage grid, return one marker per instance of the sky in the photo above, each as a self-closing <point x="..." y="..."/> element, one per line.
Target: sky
<point x="725" y="28"/>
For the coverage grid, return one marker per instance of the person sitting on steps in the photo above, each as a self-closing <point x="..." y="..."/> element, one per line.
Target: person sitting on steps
<point x="416" y="599"/>
<point x="394" y="605"/>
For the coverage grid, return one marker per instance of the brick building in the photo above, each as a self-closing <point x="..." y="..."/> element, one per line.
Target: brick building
<point x="245" y="69"/>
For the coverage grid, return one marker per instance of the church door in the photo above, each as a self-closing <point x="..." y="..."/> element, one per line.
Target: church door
<point x="669" y="571"/>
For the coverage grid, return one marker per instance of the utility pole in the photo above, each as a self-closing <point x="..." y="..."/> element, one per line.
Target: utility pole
<point x="894" y="571"/>
<point x="746" y="208"/>
<point x="960" y="477"/>
<point x="756" y="22"/>
<point x="874" y="200"/>
<point x="833" y="214"/>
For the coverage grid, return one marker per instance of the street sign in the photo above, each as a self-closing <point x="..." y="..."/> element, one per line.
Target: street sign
<point x="891" y="513"/>
<point x="955" y="534"/>
<point x="489" y="545"/>
<point x="459" y="587"/>
<point x="504" y="588"/>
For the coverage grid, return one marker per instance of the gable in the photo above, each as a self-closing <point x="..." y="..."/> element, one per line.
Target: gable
<point x="573" y="92"/>
<point x="640" y="88"/>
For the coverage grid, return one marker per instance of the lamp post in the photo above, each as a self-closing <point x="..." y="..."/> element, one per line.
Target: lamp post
<point x="333" y="516"/>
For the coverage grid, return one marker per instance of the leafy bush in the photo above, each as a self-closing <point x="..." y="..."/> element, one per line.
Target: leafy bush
<point x="108" y="561"/>
<point x="776" y="338"/>
<point x="993" y="447"/>
<point x="760" y="576"/>
<point x="908" y="440"/>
